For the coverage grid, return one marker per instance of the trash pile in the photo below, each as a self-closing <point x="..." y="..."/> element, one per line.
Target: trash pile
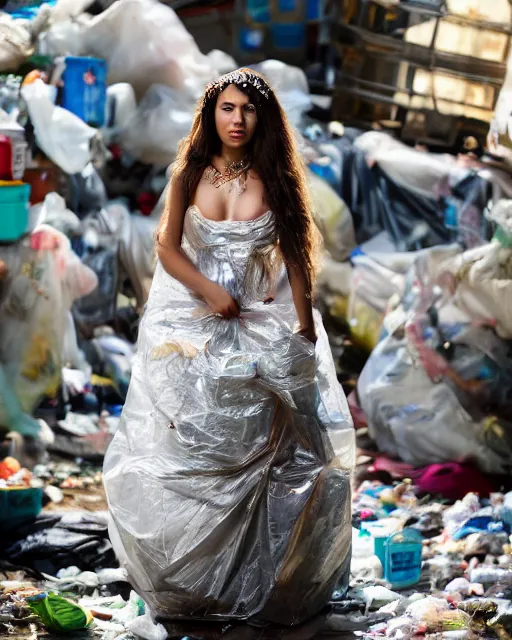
<point x="425" y="569"/>
<point x="415" y="289"/>
<point x="420" y="569"/>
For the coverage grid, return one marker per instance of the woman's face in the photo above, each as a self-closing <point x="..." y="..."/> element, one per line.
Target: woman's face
<point x="235" y="118"/>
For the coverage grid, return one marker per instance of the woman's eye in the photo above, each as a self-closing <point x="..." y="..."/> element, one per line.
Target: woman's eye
<point x="227" y="109"/>
<point x="250" y="108"/>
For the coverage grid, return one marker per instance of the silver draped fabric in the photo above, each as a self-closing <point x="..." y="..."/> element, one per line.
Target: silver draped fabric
<point x="228" y="479"/>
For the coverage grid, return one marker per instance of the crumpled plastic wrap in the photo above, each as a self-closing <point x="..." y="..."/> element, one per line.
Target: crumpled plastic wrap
<point x="53" y="212"/>
<point x="291" y="86"/>
<point x="99" y="252"/>
<point x="222" y="61"/>
<point x="118" y="244"/>
<point x="443" y="363"/>
<point x="230" y="468"/>
<point x="137" y="253"/>
<point x="44" y="278"/>
<point x="483" y="286"/>
<point x="15" y="43"/>
<point x="419" y="171"/>
<point x="172" y="58"/>
<point x="163" y="117"/>
<point x="418" y="198"/>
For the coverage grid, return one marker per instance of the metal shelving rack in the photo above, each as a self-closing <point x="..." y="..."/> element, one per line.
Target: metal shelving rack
<point x="353" y="40"/>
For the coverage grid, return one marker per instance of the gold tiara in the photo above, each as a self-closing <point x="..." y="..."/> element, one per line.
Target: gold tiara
<point x="239" y="78"/>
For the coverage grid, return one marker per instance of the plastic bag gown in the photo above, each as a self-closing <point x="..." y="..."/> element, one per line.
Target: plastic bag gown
<point x="228" y="479"/>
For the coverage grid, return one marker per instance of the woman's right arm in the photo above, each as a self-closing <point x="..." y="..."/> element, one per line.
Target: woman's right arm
<point x="178" y="265"/>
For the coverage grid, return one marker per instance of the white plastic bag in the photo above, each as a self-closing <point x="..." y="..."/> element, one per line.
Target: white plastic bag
<point x="153" y="133"/>
<point x="283" y="77"/>
<point x="62" y="39"/>
<point x="334" y="277"/>
<point x="291" y="86"/>
<point x="53" y="212"/>
<point x="482" y="280"/>
<point x="419" y="171"/>
<point x="372" y="287"/>
<point x="408" y="414"/>
<point x="144" y="42"/>
<point x="144" y="627"/>
<point x="486" y="290"/>
<point x="222" y="62"/>
<point x="63" y="137"/>
<point x="121" y="100"/>
<point x="136" y="248"/>
<point x="501" y="214"/>
<point x="68" y="9"/>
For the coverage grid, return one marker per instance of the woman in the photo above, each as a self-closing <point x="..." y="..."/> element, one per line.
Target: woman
<point x="228" y="479"/>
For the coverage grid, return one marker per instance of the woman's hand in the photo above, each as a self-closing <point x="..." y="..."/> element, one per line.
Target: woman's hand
<point x="220" y="302"/>
<point x="309" y="333"/>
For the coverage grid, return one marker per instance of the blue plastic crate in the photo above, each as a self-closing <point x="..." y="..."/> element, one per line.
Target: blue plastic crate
<point x="85" y="89"/>
<point x="14" y="208"/>
<point x="288" y="36"/>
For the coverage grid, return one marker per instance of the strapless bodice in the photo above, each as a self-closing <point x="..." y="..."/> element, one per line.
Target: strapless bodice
<point x="240" y="255"/>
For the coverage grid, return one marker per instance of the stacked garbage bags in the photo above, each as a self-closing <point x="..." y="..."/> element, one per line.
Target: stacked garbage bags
<point x="437" y="387"/>
<point x="423" y="294"/>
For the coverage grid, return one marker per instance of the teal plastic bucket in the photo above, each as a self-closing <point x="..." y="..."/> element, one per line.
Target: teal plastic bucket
<point x="19" y="506"/>
<point x="380" y="532"/>
<point x="14" y="211"/>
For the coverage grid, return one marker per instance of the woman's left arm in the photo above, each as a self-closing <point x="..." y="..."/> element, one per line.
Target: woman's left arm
<point x="302" y="302"/>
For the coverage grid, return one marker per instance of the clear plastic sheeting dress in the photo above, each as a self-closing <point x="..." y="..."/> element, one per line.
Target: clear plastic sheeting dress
<point x="228" y="479"/>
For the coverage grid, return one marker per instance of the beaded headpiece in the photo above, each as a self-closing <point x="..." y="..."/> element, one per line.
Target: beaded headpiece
<point x="241" y="77"/>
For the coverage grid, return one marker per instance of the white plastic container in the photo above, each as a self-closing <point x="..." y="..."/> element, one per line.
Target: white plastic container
<point x="365" y="565"/>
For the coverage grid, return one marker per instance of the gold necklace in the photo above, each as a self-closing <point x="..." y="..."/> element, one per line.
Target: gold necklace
<point x="234" y="173"/>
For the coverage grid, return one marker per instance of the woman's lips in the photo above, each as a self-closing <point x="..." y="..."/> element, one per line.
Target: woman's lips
<point x="237" y="135"/>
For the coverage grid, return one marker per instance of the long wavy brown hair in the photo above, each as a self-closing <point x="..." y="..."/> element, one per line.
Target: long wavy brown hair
<point x="274" y="157"/>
